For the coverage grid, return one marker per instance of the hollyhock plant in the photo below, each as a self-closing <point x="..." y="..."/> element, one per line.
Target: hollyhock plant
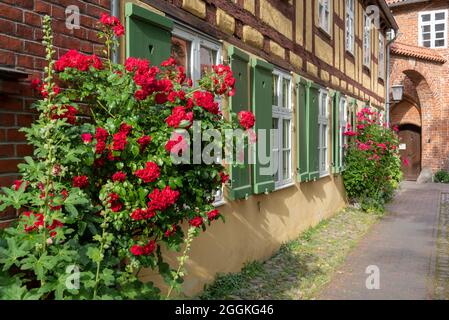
<point x="102" y="190"/>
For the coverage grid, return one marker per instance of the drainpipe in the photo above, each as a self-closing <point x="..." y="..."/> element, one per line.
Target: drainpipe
<point x="387" y="102"/>
<point x="115" y="12"/>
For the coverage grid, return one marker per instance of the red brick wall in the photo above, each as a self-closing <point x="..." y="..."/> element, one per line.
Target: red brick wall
<point x="21" y="48"/>
<point x="426" y="83"/>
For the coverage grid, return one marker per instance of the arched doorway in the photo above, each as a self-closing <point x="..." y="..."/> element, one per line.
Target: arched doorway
<point x="410" y="149"/>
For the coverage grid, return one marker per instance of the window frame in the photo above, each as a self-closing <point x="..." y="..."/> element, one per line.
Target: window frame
<point x="282" y="114"/>
<point x="323" y="125"/>
<point x="381" y="62"/>
<point x="432" y="24"/>
<point x="198" y="40"/>
<point x="325" y="4"/>
<point x="367" y="41"/>
<point x="350" y="36"/>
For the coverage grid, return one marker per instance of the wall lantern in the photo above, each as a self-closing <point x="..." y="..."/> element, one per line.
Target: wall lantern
<point x="398" y="93"/>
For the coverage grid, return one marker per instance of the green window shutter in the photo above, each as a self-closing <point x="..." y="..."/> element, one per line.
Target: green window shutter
<point x="148" y="35"/>
<point x="336" y="166"/>
<point x="302" y="131"/>
<point x="240" y="175"/>
<point x="314" y="138"/>
<point x="262" y="107"/>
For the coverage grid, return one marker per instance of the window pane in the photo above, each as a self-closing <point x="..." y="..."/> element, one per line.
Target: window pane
<point x="286" y="93"/>
<point x="425" y="17"/>
<point x="427" y="44"/>
<point x="208" y="58"/>
<point x="426" y="28"/>
<point x="439" y="27"/>
<point x="440" y="16"/>
<point x="180" y="51"/>
<point x="286" y="165"/>
<point x="286" y="135"/>
<point x="275" y="90"/>
<point x="426" y="36"/>
<point x="439" y="35"/>
<point x="276" y="148"/>
<point x="440" y="43"/>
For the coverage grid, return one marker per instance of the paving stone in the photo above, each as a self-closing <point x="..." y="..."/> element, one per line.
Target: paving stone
<point x="407" y="246"/>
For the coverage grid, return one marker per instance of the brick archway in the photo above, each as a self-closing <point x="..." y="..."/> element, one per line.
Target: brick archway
<point x="422" y="106"/>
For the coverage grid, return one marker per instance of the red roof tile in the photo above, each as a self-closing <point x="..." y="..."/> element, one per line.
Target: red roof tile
<point x="416" y="52"/>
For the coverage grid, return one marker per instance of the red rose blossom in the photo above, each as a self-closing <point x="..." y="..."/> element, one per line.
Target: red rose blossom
<point x="150" y="173"/>
<point x="246" y="119"/>
<point x="144" y="141"/>
<point x="137" y="250"/>
<point x="212" y="215"/>
<point x="177" y="145"/>
<point x="142" y="214"/>
<point x="196" y="222"/>
<point x="119" y="141"/>
<point x="161" y="200"/>
<point x="119" y="176"/>
<point x="86" y="137"/>
<point x="114" y="201"/>
<point x="80" y="182"/>
<point x="206" y="101"/>
<point x="76" y="60"/>
<point x="179" y="115"/>
<point x="224" y="177"/>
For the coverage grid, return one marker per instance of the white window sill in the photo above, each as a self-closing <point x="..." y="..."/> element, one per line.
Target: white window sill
<point x="324" y="175"/>
<point x="219" y="203"/>
<point x="284" y="186"/>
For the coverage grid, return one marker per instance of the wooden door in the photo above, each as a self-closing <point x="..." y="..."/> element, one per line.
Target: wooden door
<point x="410" y="147"/>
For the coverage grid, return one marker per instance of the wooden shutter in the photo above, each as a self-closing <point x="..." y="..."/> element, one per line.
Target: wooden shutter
<point x="336" y="165"/>
<point x="148" y="35"/>
<point x="314" y="138"/>
<point x="262" y="107"/>
<point x="240" y="175"/>
<point x="302" y="131"/>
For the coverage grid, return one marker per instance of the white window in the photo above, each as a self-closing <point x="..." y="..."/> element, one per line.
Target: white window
<point x="433" y="29"/>
<point x="350" y="22"/>
<point x="324" y="14"/>
<point x="323" y="124"/>
<point x="194" y="51"/>
<point x="381" y="72"/>
<point x="282" y="125"/>
<point x="343" y="125"/>
<point x="367" y="41"/>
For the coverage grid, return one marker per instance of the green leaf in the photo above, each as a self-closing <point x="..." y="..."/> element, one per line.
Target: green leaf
<point x="94" y="254"/>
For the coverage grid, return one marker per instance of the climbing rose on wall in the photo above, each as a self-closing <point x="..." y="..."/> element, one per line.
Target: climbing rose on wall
<point x="102" y="191"/>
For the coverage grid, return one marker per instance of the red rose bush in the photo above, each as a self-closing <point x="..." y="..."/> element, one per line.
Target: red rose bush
<point x="102" y="197"/>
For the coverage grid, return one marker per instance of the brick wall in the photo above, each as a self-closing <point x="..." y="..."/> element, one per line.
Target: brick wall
<point x="21" y="48"/>
<point x="426" y="85"/>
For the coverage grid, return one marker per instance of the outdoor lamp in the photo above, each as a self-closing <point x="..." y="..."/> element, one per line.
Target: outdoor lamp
<point x="398" y="92"/>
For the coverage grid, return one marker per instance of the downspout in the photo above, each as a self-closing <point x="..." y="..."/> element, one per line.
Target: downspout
<point x="387" y="100"/>
<point x="115" y="12"/>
